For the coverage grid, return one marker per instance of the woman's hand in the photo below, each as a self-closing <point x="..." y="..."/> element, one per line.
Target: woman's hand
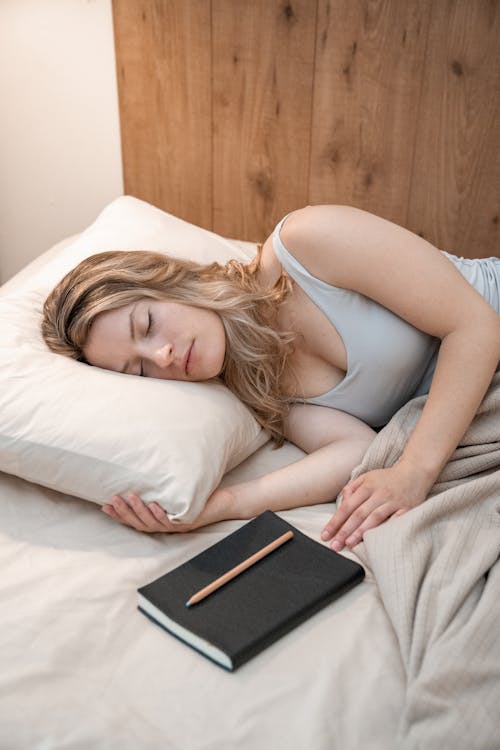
<point x="133" y="511"/>
<point x="372" y="498"/>
<point x="151" y="518"/>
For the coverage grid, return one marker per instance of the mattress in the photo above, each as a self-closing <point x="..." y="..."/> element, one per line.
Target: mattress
<point x="83" y="668"/>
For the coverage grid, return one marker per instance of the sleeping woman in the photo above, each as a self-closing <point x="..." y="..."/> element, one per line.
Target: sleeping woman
<point x="340" y="320"/>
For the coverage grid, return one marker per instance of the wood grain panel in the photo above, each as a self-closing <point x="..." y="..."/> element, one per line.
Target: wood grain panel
<point x="366" y="92"/>
<point x="455" y="194"/>
<point x="263" y="66"/>
<point x="164" y="78"/>
<point x="234" y="113"/>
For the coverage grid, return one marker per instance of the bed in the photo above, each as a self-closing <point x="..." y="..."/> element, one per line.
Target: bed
<point x="411" y="657"/>
<point x="83" y="668"/>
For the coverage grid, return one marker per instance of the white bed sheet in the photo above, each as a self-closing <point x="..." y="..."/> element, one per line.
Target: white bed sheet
<point x="82" y="668"/>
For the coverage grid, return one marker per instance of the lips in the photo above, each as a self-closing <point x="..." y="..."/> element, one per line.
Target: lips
<point x="188" y="357"/>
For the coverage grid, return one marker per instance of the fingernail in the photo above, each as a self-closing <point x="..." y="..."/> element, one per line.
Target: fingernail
<point x="325" y="534"/>
<point x="336" y="546"/>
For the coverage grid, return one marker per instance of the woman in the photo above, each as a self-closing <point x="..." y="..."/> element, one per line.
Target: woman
<point x="339" y="303"/>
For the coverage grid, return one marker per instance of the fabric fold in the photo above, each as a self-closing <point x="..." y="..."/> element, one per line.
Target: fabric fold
<point x="438" y="573"/>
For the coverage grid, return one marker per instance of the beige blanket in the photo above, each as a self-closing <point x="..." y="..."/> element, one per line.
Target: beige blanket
<point x="438" y="574"/>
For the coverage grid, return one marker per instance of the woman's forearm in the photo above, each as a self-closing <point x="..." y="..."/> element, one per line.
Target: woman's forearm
<point x="316" y="478"/>
<point x="466" y="364"/>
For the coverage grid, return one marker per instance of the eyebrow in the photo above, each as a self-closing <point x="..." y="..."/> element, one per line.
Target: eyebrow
<point x="132" y="336"/>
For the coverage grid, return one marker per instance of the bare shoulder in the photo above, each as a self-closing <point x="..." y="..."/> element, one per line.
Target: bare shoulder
<point x="299" y="234"/>
<point x="356" y="250"/>
<point x="311" y="427"/>
<point x="352" y="237"/>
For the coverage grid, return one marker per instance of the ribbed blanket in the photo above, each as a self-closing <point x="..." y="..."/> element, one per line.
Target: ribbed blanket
<point x="438" y="573"/>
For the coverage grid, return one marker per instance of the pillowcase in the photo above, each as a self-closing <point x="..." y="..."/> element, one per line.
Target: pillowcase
<point x="93" y="433"/>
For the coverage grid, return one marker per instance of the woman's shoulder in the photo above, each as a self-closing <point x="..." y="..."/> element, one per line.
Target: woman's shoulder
<point x="314" y="222"/>
<point x="347" y="247"/>
<point x="302" y="233"/>
<point x="296" y="231"/>
<point x="316" y="235"/>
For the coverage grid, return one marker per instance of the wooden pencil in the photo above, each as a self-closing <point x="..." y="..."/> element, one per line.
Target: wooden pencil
<point x="207" y="590"/>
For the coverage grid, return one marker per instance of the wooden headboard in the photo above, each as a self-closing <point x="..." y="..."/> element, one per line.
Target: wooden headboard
<point x="234" y="112"/>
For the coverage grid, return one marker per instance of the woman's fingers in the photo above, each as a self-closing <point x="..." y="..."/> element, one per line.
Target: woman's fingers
<point x="380" y="514"/>
<point x="349" y="505"/>
<point x="367" y="516"/>
<point x="370" y="500"/>
<point x="158" y="512"/>
<point x="353" y="526"/>
<point x="135" y="513"/>
<point x="143" y="512"/>
<point x="126" y="513"/>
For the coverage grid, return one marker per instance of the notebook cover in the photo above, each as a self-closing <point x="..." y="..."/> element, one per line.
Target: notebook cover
<point x="261" y="604"/>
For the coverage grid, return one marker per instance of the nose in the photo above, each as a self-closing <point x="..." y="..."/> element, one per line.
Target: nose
<point x="163" y="356"/>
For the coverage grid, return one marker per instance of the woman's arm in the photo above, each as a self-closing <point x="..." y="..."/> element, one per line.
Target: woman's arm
<point x="406" y="274"/>
<point x="335" y="443"/>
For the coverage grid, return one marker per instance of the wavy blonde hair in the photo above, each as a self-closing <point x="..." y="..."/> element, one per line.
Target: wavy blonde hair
<point x="256" y="352"/>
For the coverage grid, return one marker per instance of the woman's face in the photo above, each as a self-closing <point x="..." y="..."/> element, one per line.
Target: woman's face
<point x="158" y="339"/>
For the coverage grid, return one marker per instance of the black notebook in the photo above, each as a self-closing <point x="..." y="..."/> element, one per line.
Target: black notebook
<point x="260" y="605"/>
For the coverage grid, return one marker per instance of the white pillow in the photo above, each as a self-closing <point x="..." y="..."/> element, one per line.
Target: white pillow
<point x="93" y="433"/>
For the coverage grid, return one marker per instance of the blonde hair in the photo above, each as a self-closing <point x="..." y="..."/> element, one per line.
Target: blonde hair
<point x="256" y="352"/>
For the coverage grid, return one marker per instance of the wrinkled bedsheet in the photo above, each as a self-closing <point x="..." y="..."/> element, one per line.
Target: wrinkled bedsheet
<point x="82" y="668"/>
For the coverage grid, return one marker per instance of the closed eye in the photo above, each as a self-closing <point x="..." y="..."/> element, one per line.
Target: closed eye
<point x="149" y="329"/>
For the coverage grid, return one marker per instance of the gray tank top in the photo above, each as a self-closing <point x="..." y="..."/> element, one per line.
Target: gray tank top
<point x="389" y="361"/>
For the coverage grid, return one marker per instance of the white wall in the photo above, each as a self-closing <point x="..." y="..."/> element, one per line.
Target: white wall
<point x="60" y="160"/>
